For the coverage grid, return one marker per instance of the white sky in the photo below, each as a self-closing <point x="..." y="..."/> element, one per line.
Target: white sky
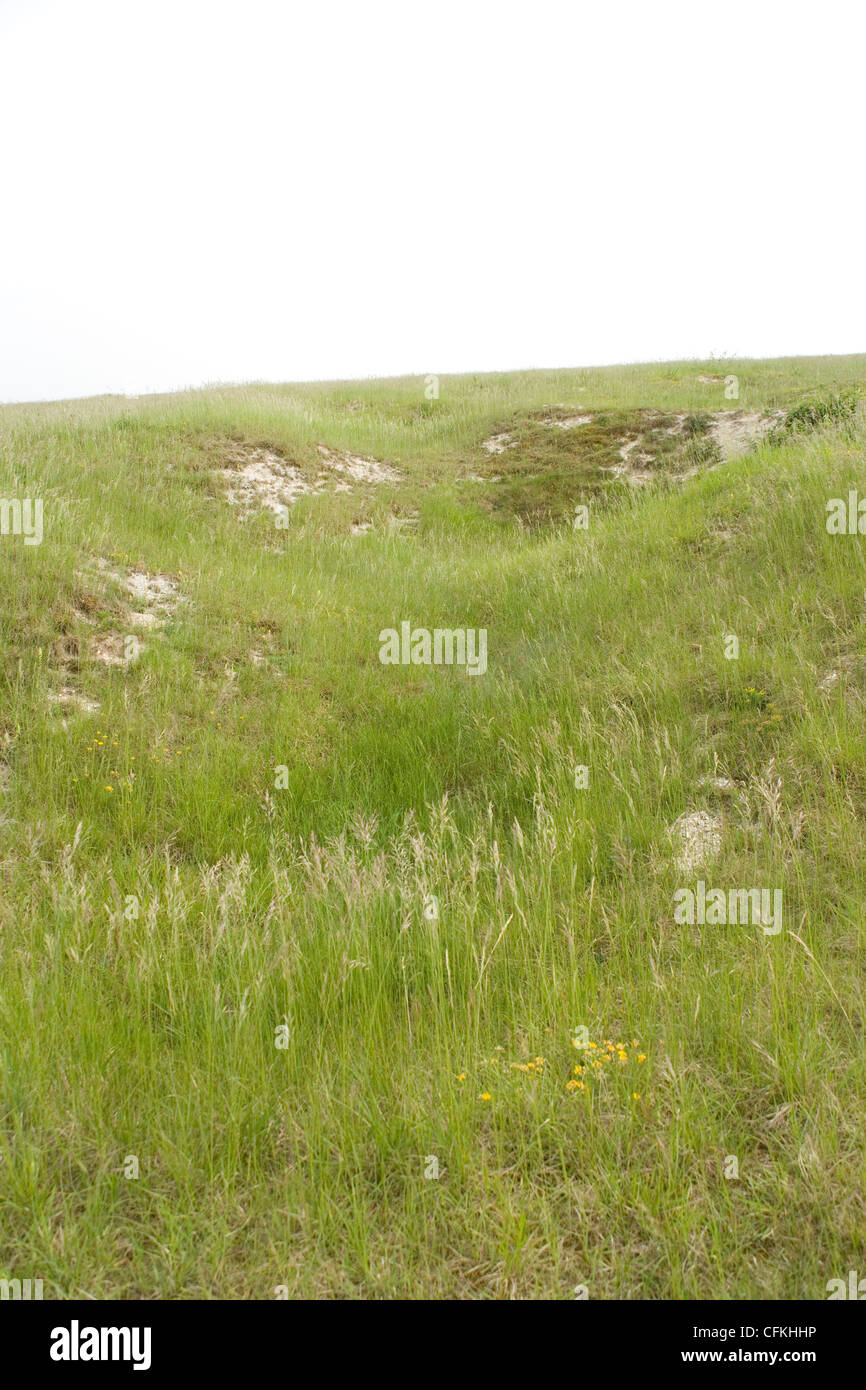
<point x="196" y="190"/>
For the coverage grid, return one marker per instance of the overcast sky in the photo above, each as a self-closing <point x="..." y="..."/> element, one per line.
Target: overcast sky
<point x="195" y="191"/>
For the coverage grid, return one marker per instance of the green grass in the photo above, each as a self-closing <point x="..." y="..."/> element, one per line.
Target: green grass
<point x="154" y="938"/>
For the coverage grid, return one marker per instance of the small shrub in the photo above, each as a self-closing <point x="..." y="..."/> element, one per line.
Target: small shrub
<point x="835" y="409"/>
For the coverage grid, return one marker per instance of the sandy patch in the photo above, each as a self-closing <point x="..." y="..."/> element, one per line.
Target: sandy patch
<point x="360" y="470"/>
<point x="735" y="431"/>
<point x="629" y="465"/>
<point x="145" y="621"/>
<point x="261" y="478"/>
<point x="633" y="458"/>
<point x="721" y="784"/>
<point x="680" y="424"/>
<point x="158" y="595"/>
<point x="157" y="592"/>
<point x="697" y="837"/>
<point x="69" y="699"/>
<point x="642" y="457"/>
<point x="572" y="422"/>
<point x="628" y="449"/>
<point x="498" y="443"/>
<point x="110" y="649"/>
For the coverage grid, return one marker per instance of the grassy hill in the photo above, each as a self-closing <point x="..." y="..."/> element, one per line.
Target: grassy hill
<point x="285" y="930"/>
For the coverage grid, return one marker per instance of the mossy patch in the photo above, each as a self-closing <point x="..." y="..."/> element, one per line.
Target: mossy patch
<point x="543" y="464"/>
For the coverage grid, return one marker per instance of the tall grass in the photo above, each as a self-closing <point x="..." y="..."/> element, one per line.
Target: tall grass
<point x="286" y="1002"/>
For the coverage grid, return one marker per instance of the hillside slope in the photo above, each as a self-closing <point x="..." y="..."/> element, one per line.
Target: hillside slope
<point x="287" y="931"/>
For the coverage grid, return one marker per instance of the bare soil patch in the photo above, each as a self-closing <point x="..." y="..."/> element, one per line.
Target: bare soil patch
<point x="259" y="477"/>
<point x="736" y="431"/>
<point x="697" y="837"/>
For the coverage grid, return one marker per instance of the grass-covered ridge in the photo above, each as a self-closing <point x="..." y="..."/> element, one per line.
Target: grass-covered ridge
<point x="250" y="988"/>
